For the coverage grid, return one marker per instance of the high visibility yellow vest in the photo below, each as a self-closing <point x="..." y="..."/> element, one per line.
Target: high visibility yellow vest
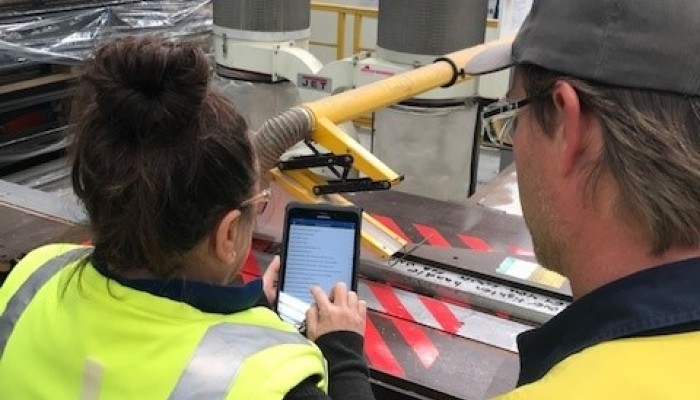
<point x="77" y="335"/>
<point x="643" y="368"/>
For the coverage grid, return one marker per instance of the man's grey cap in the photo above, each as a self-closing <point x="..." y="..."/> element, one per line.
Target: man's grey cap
<point x="643" y="44"/>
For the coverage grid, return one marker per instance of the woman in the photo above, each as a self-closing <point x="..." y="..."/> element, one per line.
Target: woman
<point x="166" y="170"/>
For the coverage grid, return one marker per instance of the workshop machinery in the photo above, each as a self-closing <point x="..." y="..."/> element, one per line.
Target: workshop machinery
<point x="449" y="284"/>
<point x="261" y="53"/>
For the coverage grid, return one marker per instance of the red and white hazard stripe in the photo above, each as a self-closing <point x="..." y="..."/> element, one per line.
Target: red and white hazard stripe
<point x="450" y="318"/>
<point x="434" y="237"/>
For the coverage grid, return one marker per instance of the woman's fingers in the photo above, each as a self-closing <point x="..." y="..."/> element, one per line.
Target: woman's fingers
<point x="344" y="312"/>
<point x="352" y="300"/>
<point x="339" y="294"/>
<point x="362" y="308"/>
<point x="270" y="279"/>
<point x="312" y="322"/>
<point x="320" y="297"/>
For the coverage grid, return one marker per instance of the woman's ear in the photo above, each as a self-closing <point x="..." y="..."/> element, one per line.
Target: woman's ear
<point x="224" y="238"/>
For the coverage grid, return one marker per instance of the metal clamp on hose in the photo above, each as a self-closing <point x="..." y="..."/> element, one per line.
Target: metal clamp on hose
<point x="456" y="71"/>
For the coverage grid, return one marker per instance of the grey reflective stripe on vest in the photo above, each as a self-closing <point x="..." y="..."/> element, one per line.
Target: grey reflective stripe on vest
<point x="26" y="292"/>
<point x="213" y="368"/>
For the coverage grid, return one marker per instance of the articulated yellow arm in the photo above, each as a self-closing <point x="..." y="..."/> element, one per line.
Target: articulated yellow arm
<point x="330" y="136"/>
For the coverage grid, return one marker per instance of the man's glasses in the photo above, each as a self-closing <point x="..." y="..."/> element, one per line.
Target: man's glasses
<point x="499" y="120"/>
<point x="260" y="200"/>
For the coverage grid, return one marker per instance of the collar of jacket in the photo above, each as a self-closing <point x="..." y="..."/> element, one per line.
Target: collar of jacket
<point x="657" y="301"/>
<point x="217" y="299"/>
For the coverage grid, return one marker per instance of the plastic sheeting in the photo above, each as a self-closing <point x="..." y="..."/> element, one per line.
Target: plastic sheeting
<point x="66" y="32"/>
<point x="68" y="37"/>
<point x="24" y="9"/>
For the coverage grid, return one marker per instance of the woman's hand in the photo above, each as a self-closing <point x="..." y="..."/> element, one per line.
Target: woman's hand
<point x="270" y="279"/>
<point x="342" y="311"/>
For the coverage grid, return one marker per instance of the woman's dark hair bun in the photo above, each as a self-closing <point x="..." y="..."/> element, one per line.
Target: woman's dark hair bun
<point x="150" y="88"/>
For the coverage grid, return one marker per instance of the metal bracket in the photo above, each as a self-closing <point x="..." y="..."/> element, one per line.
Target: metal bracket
<point x="351" y="185"/>
<point x="317" y="160"/>
<point x="333" y="161"/>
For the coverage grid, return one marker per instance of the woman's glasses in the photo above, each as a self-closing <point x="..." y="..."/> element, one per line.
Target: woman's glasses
<point x="260" y="200"/>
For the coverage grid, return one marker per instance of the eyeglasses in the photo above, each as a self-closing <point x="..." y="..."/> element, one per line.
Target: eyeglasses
<point x="499" y="120"/>
<point x="261" y="199"/>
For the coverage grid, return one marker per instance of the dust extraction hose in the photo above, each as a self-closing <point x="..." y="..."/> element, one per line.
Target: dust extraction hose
<point x="279" y="134"/>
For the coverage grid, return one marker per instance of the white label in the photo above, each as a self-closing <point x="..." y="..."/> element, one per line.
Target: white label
<point x="517" y="268"/>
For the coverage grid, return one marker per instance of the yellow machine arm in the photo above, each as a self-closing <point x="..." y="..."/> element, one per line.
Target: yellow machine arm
<point x="317" y="121"/>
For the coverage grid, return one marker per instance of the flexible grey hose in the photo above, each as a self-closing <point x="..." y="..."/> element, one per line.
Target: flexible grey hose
<point x="279" y="134"/>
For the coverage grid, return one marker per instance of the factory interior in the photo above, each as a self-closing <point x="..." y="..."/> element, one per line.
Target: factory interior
<point x="447" y="265"/>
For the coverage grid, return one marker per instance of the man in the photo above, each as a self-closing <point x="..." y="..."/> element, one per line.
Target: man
<point x="605" y="124"/>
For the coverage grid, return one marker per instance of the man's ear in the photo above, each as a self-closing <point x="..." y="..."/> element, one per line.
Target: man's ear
<point x="224" y="243"/>
<point x="572" y="126"/>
